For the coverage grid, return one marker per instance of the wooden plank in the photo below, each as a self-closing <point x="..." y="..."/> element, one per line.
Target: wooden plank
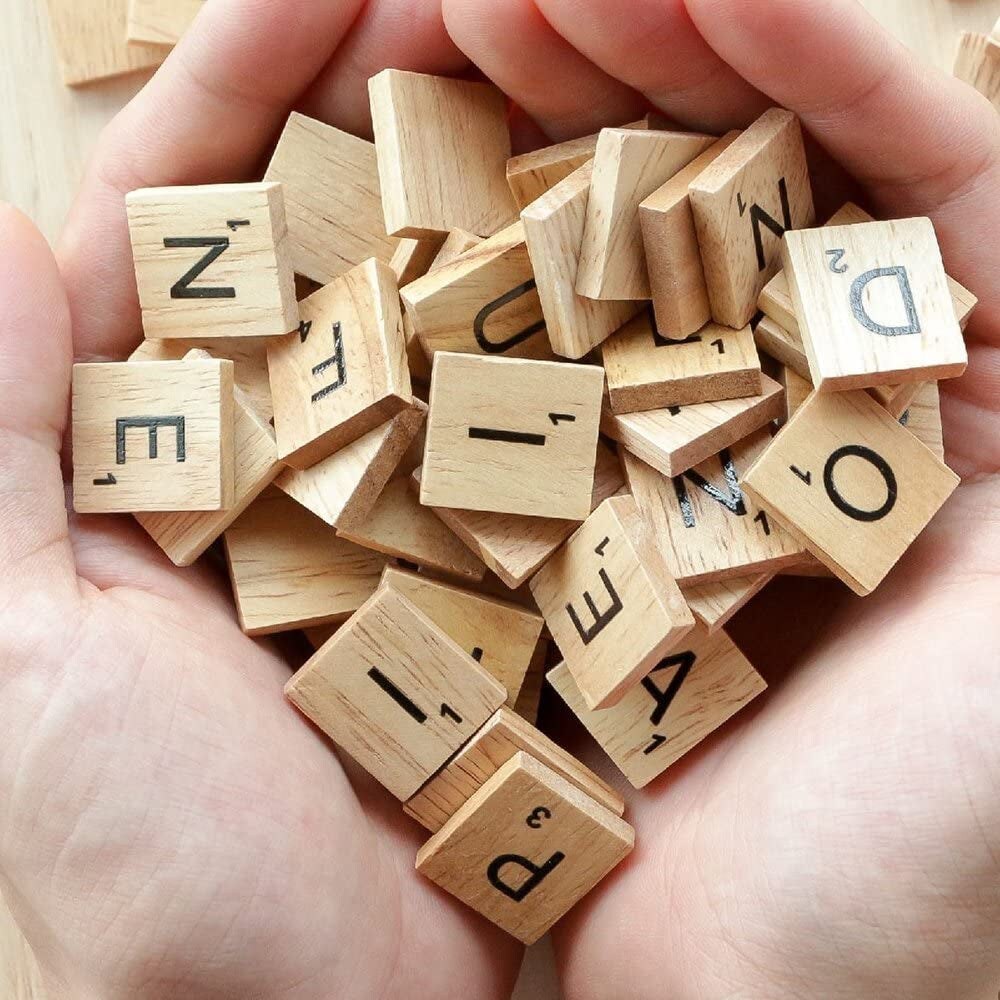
<point x="160" y="22"/>
<point x="90" y="40"/>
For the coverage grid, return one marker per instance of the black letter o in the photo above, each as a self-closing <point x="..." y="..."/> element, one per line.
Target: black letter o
<point x="875" y="459"/>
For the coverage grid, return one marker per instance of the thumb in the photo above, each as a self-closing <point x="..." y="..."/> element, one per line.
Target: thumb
<point x="36" y="357"/>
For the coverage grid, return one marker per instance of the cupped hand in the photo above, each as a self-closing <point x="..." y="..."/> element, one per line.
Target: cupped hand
<point x="841" y="840"/>
<point x="172" y="828"/>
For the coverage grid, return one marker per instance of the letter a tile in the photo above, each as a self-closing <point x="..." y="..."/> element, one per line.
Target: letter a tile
<point x="395" y="692"/>
<point x="525" y="848"/>
<point x="688" y="695"/>
<point x="873" y="304"/>
<point x="610" y="603"/>
<point x="851" y="481"/>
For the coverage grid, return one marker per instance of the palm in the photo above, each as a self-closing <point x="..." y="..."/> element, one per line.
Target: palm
<point x="188" y="813"/>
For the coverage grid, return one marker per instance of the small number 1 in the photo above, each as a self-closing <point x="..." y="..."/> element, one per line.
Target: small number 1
<point x="720" y="345"/>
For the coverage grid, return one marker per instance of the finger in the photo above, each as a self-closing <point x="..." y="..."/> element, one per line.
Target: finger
<point x="403" y="34"/>
<point x="922" y="142"/>
<point x="561" y="89"/>
<point x="35" y="363"/>
<point x="657" y="50"/>
<point x="206" y="116"/>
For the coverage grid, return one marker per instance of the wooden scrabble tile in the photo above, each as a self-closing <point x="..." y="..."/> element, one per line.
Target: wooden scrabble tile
<point x="394" y="692"/>
<point x="332" y="199"/>
<point x="343" y="488"/>
<point x="290" y="570"/>
<point x="514" y="546"/>
<point x="670" y="242"/>
<point x="873" y="304"/>
<point x="743" y="204"/>
<point x="776" y="297"/>
<point x="399" y="526"/>
<point x="529" y="700"/>
<point x="160" y="22"/>
<point x="714" y="604"/>
<point x="343" y="372"/>
<point x="185" y="536"/>
<point x="852" y="483"/>
<point x="498" y="635"/>
<point x="412" y="259"/>
<point x="512" y="436"/>
<point x="647" y="371"/>
<point x="895" y="398"/>
<point x="530" y="175"/>
<point x="629" y="166"/>
<point x="610" y="603"/>
<point x="782" y="343"/>
<point x="483" y="302"/>
<point x="553" y="227"/>
<point x="90" y="41"/>
<point x="525" y="848"/>
<point x="249" y="358"/>
<point x="443" y="147"/>
<point x="674" y="439"/>
<point x="213" y="261"/>
<point x="688" y="695"/>
<point x="457" y="242"/>
<point x="505" y="735"/>
<point x="704" y="525"/>
<point x="797" y="390"/>
<point x="922" y="418"/>
<point x="153" y="436"/>
<point x="978" y="64"/>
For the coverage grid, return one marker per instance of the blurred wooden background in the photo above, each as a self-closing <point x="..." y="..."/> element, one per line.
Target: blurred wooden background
<point x="46" y="133"/>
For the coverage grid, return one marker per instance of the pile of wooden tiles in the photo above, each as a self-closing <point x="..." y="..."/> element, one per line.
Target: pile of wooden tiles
<point x="522" y="411"/>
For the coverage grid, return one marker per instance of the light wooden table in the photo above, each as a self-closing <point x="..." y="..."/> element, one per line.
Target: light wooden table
<point x="47" y="132"/>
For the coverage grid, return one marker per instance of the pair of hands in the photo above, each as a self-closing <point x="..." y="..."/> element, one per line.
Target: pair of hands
<point x="173" y="829"/>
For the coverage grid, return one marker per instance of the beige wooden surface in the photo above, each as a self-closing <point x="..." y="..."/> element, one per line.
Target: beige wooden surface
<point x="47" y="131"/>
